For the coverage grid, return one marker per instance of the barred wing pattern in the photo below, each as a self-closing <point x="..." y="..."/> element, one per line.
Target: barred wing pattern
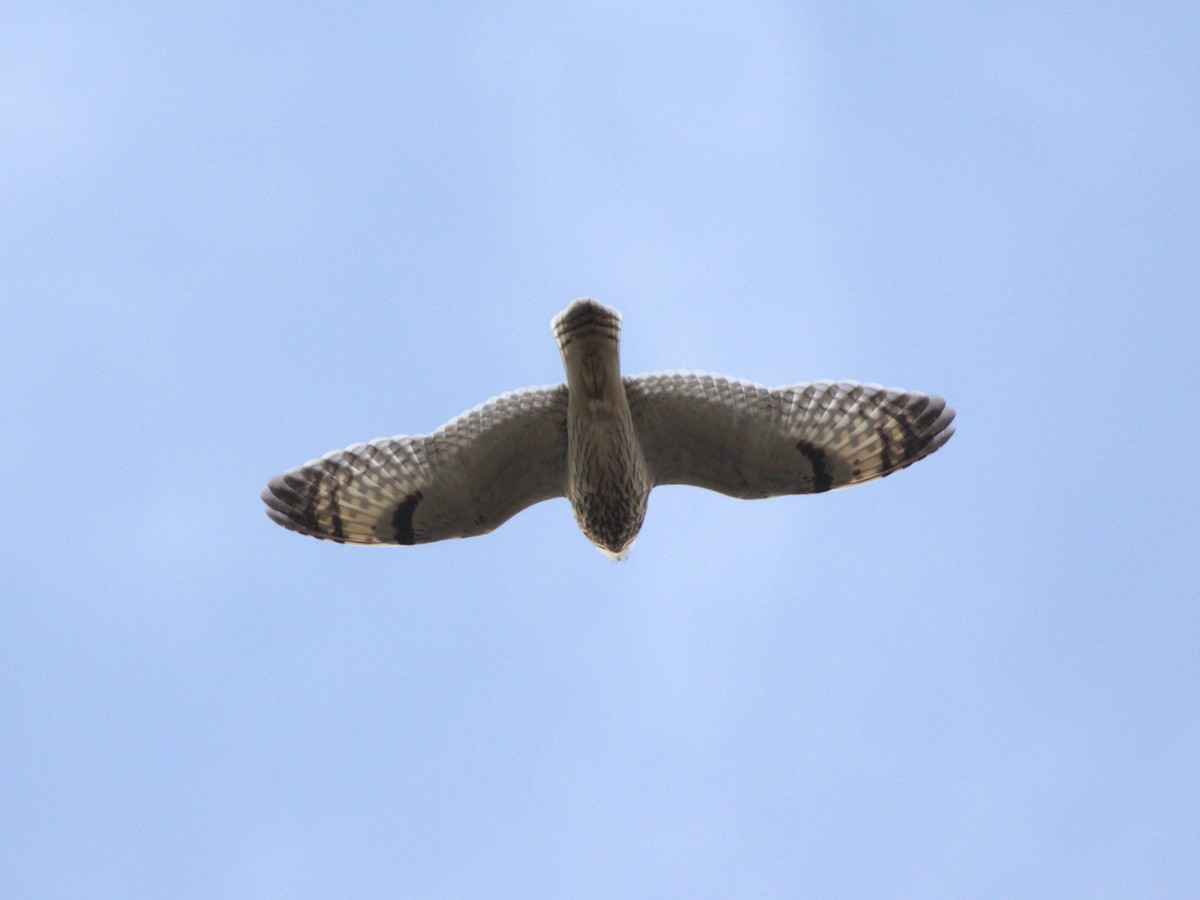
<point x="749" y="441"/>
<point x="465" y="479"/>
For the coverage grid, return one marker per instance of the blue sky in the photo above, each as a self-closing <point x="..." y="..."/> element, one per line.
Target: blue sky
<point x="236" y="238"/>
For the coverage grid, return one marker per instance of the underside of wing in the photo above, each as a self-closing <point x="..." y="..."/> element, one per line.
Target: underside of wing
<point x="750" y="441"/>
<point x="465" y="479"/>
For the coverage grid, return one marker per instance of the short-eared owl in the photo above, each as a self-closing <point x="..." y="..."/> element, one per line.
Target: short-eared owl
<point x="603" y="442"/>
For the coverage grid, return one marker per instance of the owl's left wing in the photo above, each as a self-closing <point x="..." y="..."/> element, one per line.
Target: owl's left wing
<point x="749" y="441"/>
<point x="465" y="479"/>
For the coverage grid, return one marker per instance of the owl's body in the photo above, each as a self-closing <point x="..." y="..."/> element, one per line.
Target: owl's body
<point x="607" y="480"/>
<point x="604" y="442"/>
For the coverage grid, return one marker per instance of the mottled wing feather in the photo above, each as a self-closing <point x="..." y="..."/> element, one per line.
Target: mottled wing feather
<point x="465" y="479"/>
<point x="749" y="441"/>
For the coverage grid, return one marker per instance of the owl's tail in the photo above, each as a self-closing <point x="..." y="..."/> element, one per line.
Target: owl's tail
<point x="588" y="323"/>
<point x="589" y="335"/>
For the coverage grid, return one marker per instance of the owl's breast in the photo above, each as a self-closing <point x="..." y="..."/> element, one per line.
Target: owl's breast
<point x="608" y="483"/>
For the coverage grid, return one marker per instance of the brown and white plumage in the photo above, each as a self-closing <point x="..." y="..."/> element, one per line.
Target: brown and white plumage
<point x="604" y="442"/>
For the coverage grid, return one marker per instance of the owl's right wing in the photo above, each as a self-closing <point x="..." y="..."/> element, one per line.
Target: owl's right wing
<point x="465" y="479"/>
<point x="749" y="441"/>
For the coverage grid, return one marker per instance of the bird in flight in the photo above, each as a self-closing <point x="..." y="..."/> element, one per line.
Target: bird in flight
<point x="604" y="441"/>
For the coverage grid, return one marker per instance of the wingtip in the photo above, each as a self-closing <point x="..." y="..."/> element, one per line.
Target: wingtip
<point x="945" y="422"/>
